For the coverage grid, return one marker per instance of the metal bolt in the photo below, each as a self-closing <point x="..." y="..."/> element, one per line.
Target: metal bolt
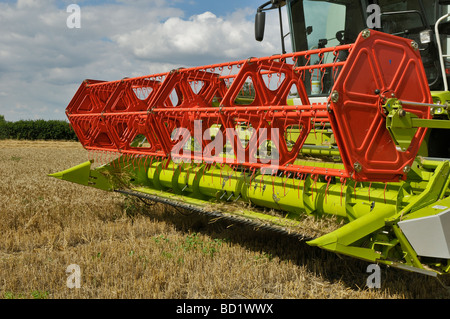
<point x="401" y="113"/>
<point x="358" y="167"/>
<point x="406" y="169"/>
<point x="365" y="34"/>
<point x="335" y="96"/>
<point x="414" y="45"/>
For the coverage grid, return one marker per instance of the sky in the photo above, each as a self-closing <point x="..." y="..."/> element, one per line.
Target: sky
<point x="44" y="59"/>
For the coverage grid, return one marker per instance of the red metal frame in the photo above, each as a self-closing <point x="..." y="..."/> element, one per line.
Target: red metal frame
<point x="108" y="116"/>
<point x="392" y="66"/>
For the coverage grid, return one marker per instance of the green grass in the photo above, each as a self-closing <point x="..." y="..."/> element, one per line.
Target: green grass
<point x="36" y="294"/>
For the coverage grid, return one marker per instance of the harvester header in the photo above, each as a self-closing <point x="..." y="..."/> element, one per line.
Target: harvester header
<point x="328" y="131"/>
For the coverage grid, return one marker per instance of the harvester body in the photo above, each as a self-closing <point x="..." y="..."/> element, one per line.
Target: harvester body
<point x="330" y="130"/>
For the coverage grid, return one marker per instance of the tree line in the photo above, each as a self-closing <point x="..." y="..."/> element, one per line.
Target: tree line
<point x="36" y="130"/>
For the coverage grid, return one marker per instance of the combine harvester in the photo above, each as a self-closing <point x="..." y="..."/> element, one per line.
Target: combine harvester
<point x="351" y="124"/>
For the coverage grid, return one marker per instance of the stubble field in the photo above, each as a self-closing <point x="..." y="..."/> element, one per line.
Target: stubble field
<point x="126" y="249"/>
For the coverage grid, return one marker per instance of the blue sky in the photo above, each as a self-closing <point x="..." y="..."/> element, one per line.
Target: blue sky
<point x="218" y="7"/>
<point x="191" y="7"/>
<point x="43" y="62"/>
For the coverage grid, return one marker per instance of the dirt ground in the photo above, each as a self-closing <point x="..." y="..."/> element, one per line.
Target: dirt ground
<point x="125" y="249"/>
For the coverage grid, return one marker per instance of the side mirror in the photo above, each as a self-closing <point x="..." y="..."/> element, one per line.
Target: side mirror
<point x="260" y="24"/>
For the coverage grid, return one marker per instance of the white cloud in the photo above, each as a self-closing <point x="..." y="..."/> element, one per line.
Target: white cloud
<point x="42" y="62"/>
<point x="36" y="4"/>
<point x="203" y="38"/>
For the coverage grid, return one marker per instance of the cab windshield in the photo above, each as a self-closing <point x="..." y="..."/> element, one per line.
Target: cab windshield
<point x="325" y="23"/>
<point x="334" y="22"/>
<point x="318" y="23"/>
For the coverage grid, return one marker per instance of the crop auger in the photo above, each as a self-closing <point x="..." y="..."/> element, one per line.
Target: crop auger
<point x="247" y="141"/>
